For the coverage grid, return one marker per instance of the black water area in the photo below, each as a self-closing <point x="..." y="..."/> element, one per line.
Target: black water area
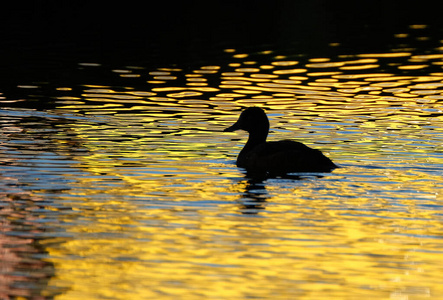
<point x="42" y="41"/>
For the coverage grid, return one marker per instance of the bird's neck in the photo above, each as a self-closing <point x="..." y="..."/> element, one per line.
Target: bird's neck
<point x="255" y="138"/>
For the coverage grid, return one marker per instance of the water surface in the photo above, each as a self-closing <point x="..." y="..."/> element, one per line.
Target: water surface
<point x="122" y="185"/>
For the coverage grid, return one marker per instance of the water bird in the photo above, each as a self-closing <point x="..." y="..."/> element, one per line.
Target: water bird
<point x="278" y="157"/>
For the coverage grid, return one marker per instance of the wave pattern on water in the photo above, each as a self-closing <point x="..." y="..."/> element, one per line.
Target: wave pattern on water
<point x="129" y="190"/>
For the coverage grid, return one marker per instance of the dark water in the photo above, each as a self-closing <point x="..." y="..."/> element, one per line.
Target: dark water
<point x="117" y="181"/>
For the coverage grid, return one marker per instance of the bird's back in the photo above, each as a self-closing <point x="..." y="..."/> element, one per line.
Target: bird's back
<point x="285" y="156"/>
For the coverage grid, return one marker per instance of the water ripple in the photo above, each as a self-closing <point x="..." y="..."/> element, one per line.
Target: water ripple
<point x="129" y="190"/>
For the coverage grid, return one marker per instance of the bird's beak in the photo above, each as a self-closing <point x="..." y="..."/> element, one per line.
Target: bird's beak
<point x="234" y="127"/>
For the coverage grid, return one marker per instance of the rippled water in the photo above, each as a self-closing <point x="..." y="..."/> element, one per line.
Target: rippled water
<point x="123" y="185"/>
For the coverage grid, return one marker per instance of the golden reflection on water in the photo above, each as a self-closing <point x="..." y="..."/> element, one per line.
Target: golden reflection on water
<point x="162" y="212"/>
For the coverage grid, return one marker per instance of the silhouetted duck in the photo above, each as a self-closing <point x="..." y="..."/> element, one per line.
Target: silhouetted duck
<point x="275" y="157"/>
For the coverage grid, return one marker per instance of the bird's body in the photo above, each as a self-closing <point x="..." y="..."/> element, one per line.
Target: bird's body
<point x="275" y="157"/>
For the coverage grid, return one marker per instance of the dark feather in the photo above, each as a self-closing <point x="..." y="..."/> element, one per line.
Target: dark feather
<point x="276" y="157"/>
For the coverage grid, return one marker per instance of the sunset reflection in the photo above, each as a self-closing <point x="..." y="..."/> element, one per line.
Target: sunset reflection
<point x="140" y="181"/>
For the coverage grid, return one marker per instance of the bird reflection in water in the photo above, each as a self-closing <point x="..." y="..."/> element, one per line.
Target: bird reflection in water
<point x="255" y="195"/>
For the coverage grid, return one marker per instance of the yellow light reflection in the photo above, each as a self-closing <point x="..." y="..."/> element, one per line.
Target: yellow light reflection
<point x="284" y="63"/>
<point x="243" y="55"/>
<point x="161" y="212"/>
<point x="412" y="67"/>
<point x="291" y="71"/>
<point x="386" y="55"/>
<point x="361" y="67"/>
